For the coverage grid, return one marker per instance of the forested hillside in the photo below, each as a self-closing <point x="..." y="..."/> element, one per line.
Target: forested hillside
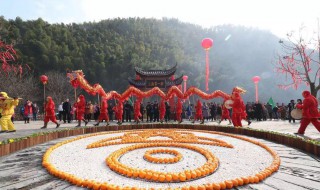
<point x="107" y="52"/>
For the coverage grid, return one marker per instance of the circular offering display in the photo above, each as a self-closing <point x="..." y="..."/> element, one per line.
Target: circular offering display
<point x="161" y="159"/>
<point x="148" y="156"/>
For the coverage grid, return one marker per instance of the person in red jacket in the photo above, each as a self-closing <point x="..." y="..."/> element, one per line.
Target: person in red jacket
<point x="310" y="112"/>
<point x="225" y="114"/>
<point x="119" y="112"/>
<point x="162" y="109"/>
<point x="80" y="109"/>
<point x="237" y="109"/>
<point x="50" y="113"/>
<point x="198" y="114"/>
<point x="104" y="115"/>
<point x="179" y="111"/>
<point x="137" y="113"/>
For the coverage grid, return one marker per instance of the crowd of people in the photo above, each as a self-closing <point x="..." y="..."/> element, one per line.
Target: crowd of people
<point x="127" y="111"/>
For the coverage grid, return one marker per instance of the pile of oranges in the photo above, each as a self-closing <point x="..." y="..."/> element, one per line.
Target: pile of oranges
<point x="208" y="168"/>
<point x="148" y="156"/>
<point x="175" y="136"/>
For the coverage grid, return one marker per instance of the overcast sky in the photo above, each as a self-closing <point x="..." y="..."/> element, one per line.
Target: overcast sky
<point x="278" y="16"/>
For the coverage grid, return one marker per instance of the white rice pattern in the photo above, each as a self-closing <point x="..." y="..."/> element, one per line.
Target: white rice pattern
<point x="244" y="159"/>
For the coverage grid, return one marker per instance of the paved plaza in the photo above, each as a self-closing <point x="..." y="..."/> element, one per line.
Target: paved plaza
<point x="275" y="125"/>
<point x="23" y="169"/>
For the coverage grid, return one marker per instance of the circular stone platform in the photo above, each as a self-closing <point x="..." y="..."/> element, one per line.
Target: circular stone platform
<point x="85" y="158"/>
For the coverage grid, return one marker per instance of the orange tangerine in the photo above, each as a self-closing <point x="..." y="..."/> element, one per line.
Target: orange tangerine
<point x="155" y="177"/>
<point x="193" y="187"/>
<point x="245" y="180"/>
<point x="216" y="186"/>
<point x="188" y="175"/>
<point x="169" y="177"/>
<point x="135" y="173"/>
<point x="104" y="186"/>
<point x="175" y="176"/>
<point x="256" y="179"/>
<point x="229" y="184"/>
<point x="194" y="174"/>
<point x="182" y="177"/>
<point x="240" y="181"/>
<point x="198" y="172"/>
<point x="209" y="186"/>
<point x="96" y="186"/>
<point x="260" y="176"/>
<point x="142" y="174"/>
<point x="162" y="178"/>
<point x="222" y="185"/>
<point x="201" y="187"/>
<point x="251" y="179"/>
<point x="235" y="182"/>
<point x="149" y="175"/>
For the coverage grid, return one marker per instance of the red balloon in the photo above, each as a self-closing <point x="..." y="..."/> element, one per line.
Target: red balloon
<point x="207" y="43"/>
<point x="256" y="79"/>
<point x="44" y="79"/>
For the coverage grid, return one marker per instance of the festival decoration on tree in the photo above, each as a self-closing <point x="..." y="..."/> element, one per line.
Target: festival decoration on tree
<point x="299" y="61"/>
<point x="207" y="44"/>
<point x="256" y="80"/>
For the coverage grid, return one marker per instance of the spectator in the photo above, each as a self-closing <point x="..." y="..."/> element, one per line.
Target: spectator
<point x="28" y="111"/>
<point x="110" y="111"/>
<point x="60" y="110"/>
<point x="275" y="110"/>
<point x="66" y="106"/>
<point x="97" y="112"/>
<point x="35" y="111"/>
<point x="291" y="106"/>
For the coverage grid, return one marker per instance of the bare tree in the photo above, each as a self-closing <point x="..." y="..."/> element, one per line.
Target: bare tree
<point x="299" y="60"/>
<point x="59" y="87"/>
<point x="25" y="86"/>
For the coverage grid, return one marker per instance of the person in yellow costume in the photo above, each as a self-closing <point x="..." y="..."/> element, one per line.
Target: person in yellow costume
<point x="7" y="105"/>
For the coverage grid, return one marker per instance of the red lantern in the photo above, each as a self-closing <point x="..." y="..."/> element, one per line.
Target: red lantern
<point x="207" y="44"/>
<point x="172" y="78"/>
<point x="256" y="79"/>
<point x="44" y="79"/>
<point x="185" y="78"/>
<point x="75" y="83"/>
<point x="138" y="77"/>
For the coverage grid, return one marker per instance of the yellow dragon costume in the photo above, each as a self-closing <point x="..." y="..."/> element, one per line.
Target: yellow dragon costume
<point x="7" y="105"/>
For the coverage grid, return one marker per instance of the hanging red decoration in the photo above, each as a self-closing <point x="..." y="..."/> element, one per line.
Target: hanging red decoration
<point x="138" y="77"/>
<point x="44" y="79"/>
<point x="207" y="43"/>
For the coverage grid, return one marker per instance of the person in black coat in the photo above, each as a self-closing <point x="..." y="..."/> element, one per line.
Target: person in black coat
<point x="141" y="111"/>
<point x="168" y="112"/>
<point x="127" y="111"/>
<point x="66" y="106"/>
<point x="149" y="109"/>
<point x="156" y="111"/>
<point x="291" y="106"/>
